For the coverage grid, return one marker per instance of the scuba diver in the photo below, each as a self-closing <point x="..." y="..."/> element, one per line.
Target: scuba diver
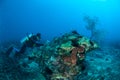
<point x="30" y="41"/>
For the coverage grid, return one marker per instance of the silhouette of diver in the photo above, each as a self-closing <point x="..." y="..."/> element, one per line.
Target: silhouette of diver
<point x="29" y="41"/>
<point x="32" y="41"/>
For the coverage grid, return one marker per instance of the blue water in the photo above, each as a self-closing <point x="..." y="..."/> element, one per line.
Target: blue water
<point x="52" y="18"/>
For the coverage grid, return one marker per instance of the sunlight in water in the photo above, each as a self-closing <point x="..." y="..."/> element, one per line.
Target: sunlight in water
<point x="100" y="0"/>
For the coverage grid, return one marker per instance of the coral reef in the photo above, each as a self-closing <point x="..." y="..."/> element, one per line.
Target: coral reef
<point x="64" y="55"/>
<point x="102" y="64"/>
<point x="69" y="57"/>
<point x="62" y="58"/>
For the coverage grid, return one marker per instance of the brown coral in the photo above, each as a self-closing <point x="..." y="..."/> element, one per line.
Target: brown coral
<point x="72" y="59"/>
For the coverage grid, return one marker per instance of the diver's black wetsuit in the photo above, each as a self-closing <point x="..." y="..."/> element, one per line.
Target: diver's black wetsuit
<point x="32" y="42"/>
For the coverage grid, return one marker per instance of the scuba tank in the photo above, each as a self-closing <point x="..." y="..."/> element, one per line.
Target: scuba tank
<point x="26" y="38"/>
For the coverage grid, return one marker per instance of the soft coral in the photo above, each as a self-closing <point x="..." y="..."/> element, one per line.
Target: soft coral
<point x="72" y="59"/>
